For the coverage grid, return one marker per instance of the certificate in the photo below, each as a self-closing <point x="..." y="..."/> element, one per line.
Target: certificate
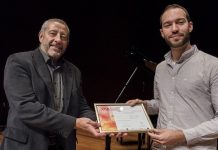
<point x="120" y="117"/>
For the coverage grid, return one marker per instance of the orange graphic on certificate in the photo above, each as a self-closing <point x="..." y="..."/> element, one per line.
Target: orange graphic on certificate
<point x="106" y="118"/>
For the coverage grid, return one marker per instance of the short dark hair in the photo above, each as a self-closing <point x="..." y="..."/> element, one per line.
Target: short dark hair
<point x="172" y="6"/>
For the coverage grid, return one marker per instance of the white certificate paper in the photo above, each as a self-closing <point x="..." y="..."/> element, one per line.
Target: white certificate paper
<point x="121" y="117"/>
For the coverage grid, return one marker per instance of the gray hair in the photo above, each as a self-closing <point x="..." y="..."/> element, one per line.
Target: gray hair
<point x="47" y="22"/>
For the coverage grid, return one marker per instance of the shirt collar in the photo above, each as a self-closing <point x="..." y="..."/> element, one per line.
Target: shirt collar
<point x="187" y="54"/>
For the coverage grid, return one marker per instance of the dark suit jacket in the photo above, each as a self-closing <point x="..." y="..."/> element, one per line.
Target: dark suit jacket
<point x="29" y="90"/>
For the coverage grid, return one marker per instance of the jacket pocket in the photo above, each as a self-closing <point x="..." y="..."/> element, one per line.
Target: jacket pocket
<point x="16" y="135"/>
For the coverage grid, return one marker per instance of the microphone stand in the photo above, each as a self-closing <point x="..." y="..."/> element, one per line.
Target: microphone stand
<point x="136" y="68"/>
<point x="107" y="142"/>
<point x="108" y="138"/>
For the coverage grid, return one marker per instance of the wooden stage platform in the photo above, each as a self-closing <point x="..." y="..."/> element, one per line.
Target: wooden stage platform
<point x="87" y="142"/>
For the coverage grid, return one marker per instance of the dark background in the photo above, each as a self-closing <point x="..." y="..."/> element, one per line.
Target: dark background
<point x="101" y="33"/>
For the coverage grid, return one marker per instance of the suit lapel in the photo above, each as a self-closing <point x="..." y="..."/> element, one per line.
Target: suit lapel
<point x="41" y="67"/>
<point x="68" y="83"/>
<point x="43" y="71"/>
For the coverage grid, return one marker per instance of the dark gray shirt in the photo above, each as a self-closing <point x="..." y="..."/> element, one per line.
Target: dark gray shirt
<point x="57" y="80"/>
<point x="186" y="98"/>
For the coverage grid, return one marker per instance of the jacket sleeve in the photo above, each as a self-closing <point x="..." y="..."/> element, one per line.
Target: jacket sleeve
<point x="84" y="108"/>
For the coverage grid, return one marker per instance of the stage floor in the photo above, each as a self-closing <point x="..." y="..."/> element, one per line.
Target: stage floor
<point x="87" y="142"/>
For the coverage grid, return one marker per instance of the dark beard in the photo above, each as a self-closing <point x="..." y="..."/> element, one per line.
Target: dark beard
<point x="180" y="44"/>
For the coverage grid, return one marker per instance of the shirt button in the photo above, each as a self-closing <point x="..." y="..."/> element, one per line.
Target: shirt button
<point x="173" y="78"/>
